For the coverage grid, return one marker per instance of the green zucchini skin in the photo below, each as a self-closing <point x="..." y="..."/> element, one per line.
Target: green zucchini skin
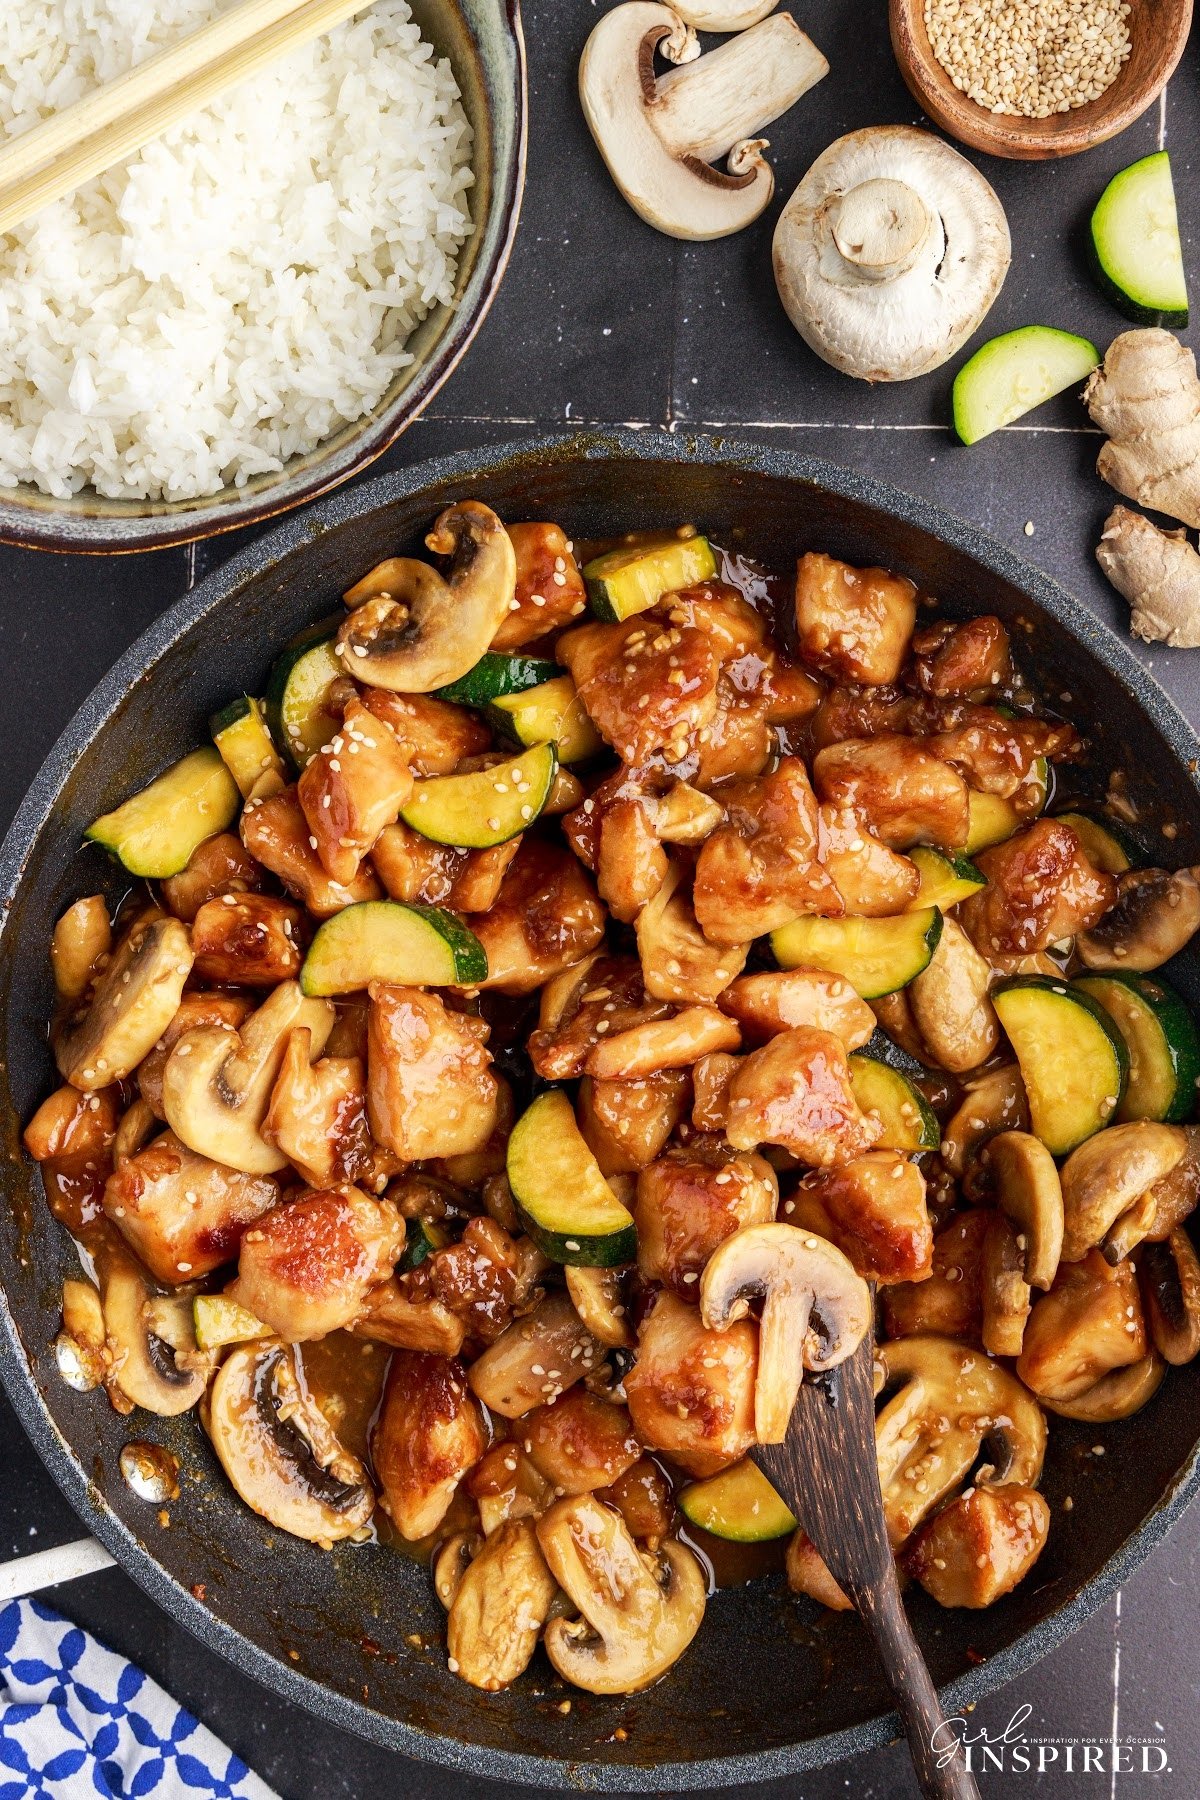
<point x="947" y="876"/>
<point x="876" y="956"/>
<point x="885" y="1087"/>
<point x="1134" y="248"/>
<point x="623" y="582"/>
<point x="486" y="807"/>
<point x="494" y="676"/>
<point x="739" y="1505"/>
<point x="1163" y="1043"/>
<point x="385" y="940"/>
<point x="155" y="831"/>
<point x="992" y="389"/>
<point x="1106" y="843"/>
<point x="421" y="1239"/>
<point x="563" y="1200"/>
<point x="1072" y="1058"/>
<point x="302" y="672"/>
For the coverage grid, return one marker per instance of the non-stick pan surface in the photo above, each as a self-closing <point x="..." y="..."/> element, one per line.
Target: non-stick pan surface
<point x="770" y="1686"/>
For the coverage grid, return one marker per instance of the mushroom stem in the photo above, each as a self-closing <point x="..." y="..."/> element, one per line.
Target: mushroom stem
<point x="880" y="227"/>
<point x="705" y="107"/>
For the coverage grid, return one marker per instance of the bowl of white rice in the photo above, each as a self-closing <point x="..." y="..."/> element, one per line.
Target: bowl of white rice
<point x="259" y="302"/>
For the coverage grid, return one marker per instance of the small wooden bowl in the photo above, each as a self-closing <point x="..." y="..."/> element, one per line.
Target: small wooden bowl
<point x="1158" y="29"/>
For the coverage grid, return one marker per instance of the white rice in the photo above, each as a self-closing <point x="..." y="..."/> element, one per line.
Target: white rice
<point x="244" y="286"/>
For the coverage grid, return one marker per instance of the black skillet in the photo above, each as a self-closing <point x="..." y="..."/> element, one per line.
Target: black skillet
<point x="770" y="1687"/>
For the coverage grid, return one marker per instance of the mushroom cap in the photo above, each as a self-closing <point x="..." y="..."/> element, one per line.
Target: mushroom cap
<point x="1157" y="912"/>
<point x="948" y="268"/>
<point x="1116" y="1395"/>
<point x="1109" y="1174"/>
<point x="144" y="1364"/>
<point x="135" y="1000"/>
<point x="1028" y="1192"/>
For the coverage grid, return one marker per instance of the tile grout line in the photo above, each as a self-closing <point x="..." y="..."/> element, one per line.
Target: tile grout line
<point x="1116" y="1707"/>
<point x="674" y="424"/>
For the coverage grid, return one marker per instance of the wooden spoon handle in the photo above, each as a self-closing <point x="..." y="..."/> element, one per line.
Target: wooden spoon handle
<point x="937" y="1754"/>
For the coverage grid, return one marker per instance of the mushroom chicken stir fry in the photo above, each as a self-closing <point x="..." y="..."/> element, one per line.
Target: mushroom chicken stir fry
<point x="565" y="991"/>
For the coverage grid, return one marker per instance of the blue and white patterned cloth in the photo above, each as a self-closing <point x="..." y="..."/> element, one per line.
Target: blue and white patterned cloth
<point x="78" y="1721"/>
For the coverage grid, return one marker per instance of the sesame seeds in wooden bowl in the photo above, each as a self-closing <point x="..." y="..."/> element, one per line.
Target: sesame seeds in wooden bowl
<point x="1037" y="78"/>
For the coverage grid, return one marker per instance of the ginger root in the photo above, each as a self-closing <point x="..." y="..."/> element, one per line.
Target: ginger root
<point x="1146" y="396"/>
<point x="1158" y="572"/>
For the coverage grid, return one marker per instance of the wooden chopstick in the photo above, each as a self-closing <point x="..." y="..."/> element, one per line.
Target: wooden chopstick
<point x="117" y="119"/>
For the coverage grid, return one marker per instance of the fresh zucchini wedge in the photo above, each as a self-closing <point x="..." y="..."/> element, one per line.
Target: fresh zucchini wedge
<point x="628" y="581"/>
<point x="422" y="1238"/>
<point x="240" y="733"/>
<point x="1136" y="254"/>
<point x="551" y="713"/>
<point x="566" y="1205"/>
<point x="154" y="833"/>
<point x="1105" y="845"/>
<point x="217" y="1320"/>
<point x="992" y="820"/>
<point x="486" y="807"/>
<point x="946" y="878"/>
<point x="1072" y="1058"/>
<point x="384" y="940"/>
<point x="1015" y="372"/>
<point x="738" y="1504"/>
<point x="876" y="956"/>
<point x="298" y="713"/>
<point x="909" y="1122"/>
<point x="1163" y="1044"/>
<point x="494" y="676"/>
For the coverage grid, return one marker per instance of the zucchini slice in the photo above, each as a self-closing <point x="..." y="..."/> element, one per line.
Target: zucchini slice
<point x="738" y="1504"/>
<point x="1072" y="1058"/>
<point x="154" y="833"/>
<point x="551" y="713"/>
<point x="946" y="878"/>
<point x="909" y="1122"/>
<point x="1015" y="372"/>
<point x="876" y="956"/>
<point x="1136" y="254"/>
<point x="486" y="807"/>
<point x="217" y="1320"/>
<point x="384" y="940"/>
<point x="992" y="820"/>
<point x="628" y="581"/>
<point x="566" y="1205"/>
<point x="422" y="1238"/>
<point x="1162" y="1040"/>
<point x="240" y="733"/>
<point x="494" y="676"/>
<point x="297" y="694"/>
<point x="1105" y="845"/>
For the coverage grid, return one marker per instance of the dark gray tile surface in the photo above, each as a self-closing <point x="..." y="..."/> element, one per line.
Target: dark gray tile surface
<point x="602" y="320"/>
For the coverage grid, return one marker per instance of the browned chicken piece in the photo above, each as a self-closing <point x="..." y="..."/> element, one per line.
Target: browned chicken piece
<point x="737" y="631"/>
<point x="631" y="864"/>
<point x="549" y="591"/>
<point x="219" y="865"/>
<point x="1041" y="888"/>
<point x="672" y="1043"/>
<point x="182" y="1214"/>
<point x="979" y="1546"/>
<point x="318" y="1114"/>
<point x="1090" y="1323"/>
<point x="581" y="826"/>
<point x="547" y="917"/>
<point x="415" y="869"/>
<point x="607" y="999"/>
<point x="647" y="685"/>
<point x="691" y="1200"/>
<point x="248" y="940"/>
<point x="691" y="1391"/>
<point x="997" y="755"/>
<point x="429" y="1434"/>
<point x="437" y="734"/>
<point x="306" y="1267"/>
<point x="581" y="1443"/>
<point x="791" y="694"/>
<point x="276" y="832"/>
<point x="855" y="624"/>
<point x="194" y="1011"/>
<point x="873" y="881"/>
<point x="950" y="1300"/>
<point x="796" y="1092"/>
<point x="473" y="1167"/>
<point x="644" y="1500"/>
<point x="404" y="1312"/>
<point x="430" y="1087"/>
<point x="876" y="1208"/>
<point x="626" y="1123"/>
<point x="961" y="662"/>
<point x="71" y="1123"/>
<point x="735" y="744"/>
<point x="711" y="1077"/>
<point x="777" y="1000"/>
<point x="353" y="788"/>
<point x="853" y="711"/>
<point x="477" y="1278"/>
<point x="906" y="795"/>
<point x="761" y="869"/>
<point x="678" y="961"/>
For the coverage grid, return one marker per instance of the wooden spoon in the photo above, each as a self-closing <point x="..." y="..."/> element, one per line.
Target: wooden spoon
<point x="827" y="1472"/>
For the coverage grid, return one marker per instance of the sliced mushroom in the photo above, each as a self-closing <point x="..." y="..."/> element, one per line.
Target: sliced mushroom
<point x="134" y="1001"/>
<point x="502" y="1603"/>
<point x="81" y="939"/>
<point x="1115" y="1396"/>
<point x="142" y="1365"/>
<point x="815" y="1311"/>
<point x="537" y="1357"/>
<point x="890" y="252"/>
<point x="994" y="1101"/>
<point x="723" y="15"/>
<point x="1156" y="914"/>
<point x="1006" y="1302"/>
<point x="1106" y="1178"/>
<point x="138" y="1124"/>
<point x="950" y="1004"/>
<point x="600" y="1298"/>
<point x="412" y="629"/>
<point x="217" y="1083"/>
<point x="451" y="1563"/>
<point x="639" y="1612"/>
<point x="280" y="1452"/>
<point x="1028" y="1191"/>
<point x="659" y="135"/>
<point x="1170" y="1280"/>
<point x="79" y="1348"/>
<point x="1176" y="1195"/>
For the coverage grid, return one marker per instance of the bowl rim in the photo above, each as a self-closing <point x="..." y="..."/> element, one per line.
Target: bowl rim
<point x="35" y="813"/>
<point x="30" y="527"/>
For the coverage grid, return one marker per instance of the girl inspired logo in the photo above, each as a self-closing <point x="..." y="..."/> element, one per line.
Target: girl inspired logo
<point x="1013" y="1752"/>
